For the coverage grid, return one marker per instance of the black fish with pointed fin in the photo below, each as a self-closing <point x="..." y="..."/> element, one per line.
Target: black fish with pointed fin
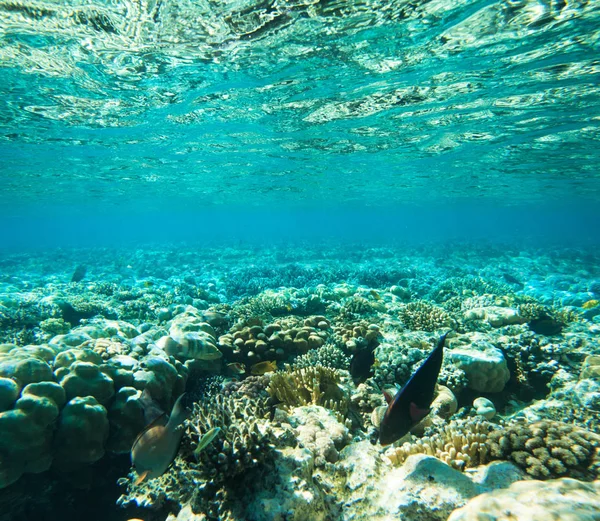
<point x="412" y="403"/>
<point x="361" y="363"/>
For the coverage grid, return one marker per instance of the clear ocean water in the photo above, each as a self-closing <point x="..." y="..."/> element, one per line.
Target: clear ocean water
<point x="203" y="153"/>
<point x="174" y="119"/>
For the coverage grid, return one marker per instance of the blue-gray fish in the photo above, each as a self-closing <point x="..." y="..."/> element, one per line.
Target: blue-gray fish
<point x="156" y="447"/>
<point x="412" y="403"/>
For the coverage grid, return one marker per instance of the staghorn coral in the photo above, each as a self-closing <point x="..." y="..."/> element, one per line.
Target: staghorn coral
<point x="326" y="356"/>
<point x="547" y="449"/>
<point x="244" y="439"/>
<point x="423" y="316"/>
<point x="461" y="444"/>
<point x="315" y="385"/>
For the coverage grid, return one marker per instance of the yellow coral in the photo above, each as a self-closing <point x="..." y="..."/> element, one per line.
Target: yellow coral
<point x="315" y="385"/>
<point x="461" y="444"/>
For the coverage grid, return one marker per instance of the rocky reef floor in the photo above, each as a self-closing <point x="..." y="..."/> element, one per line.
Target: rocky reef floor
<point x="261" y="338"/>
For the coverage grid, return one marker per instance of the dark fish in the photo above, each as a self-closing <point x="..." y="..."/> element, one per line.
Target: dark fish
<point x="79" y="273"/>
<point x="411" y="404"/>
<point x="156" y="447"/>
<point x="545" y="325"/>
<point x="361" y="363"/>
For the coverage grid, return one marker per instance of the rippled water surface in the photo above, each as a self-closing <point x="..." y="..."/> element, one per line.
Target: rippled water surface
<point x="146" y="103"/>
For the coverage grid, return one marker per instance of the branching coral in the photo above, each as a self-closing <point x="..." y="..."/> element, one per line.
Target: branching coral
<point x="315" y="385"/>
<point x="547" y="449"/>
<point x="244" y="439"/>
<point x="326" y="356"/>
<point x="423" y="316"/>
<point x="461" y="444"/>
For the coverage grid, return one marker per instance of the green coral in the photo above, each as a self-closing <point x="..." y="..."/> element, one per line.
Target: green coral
<point x="468" y="287"/>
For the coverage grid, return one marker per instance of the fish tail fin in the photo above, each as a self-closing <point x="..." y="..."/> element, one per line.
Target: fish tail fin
<point x="141" y="477"/>
<point x="179" y="414"/>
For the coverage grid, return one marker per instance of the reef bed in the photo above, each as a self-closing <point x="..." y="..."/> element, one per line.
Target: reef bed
<point x="267" y="343"/>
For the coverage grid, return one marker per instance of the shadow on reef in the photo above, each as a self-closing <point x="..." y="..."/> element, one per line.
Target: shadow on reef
<point x="89" y="494"/>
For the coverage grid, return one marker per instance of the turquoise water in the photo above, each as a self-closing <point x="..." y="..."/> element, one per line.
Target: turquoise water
<point x="355" y="175"/>
<point x="186" y="112"/>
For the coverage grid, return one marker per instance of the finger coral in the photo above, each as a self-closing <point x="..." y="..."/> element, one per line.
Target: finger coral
<point x="326" y="356"/>
<point x="244" y="439"/>
<point x="423" y="316"/>
<point x="461" y="444"/>
<point x="315" y="385"/>
<point x="547" y="449"/>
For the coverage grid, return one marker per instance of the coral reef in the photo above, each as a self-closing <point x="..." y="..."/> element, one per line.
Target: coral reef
<point x="319" y="431"/>
<point x="424" y="316"/>
<point x="356" y="335"/>
<point x="326" y="356"/>
<point x="461" y="444"/>
<point x="244" y="440"/>
<point x="250" y="344"/>
<point x="484" y="365"/>
<point x="294" y="443"/>
<point x="548" y="449"/>
<point x="315" y="385"/>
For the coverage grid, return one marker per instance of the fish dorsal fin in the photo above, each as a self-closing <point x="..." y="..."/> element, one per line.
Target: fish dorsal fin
<point x="388" y="397"/>
<point x="416" y="413"/>
<point x="160" y="421"/>
<point x="179" y="414"/>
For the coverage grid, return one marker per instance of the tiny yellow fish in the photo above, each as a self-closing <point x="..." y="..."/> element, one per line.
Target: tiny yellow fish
<point x="205" y="440"/>
<point x="157" y="445"/>
<point x="375" y="295"/>
<point x="263" y="367"/>
<point x="590" y="304"/>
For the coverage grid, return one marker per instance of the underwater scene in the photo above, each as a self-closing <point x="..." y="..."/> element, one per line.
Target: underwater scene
<point x="300" y="260"/>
